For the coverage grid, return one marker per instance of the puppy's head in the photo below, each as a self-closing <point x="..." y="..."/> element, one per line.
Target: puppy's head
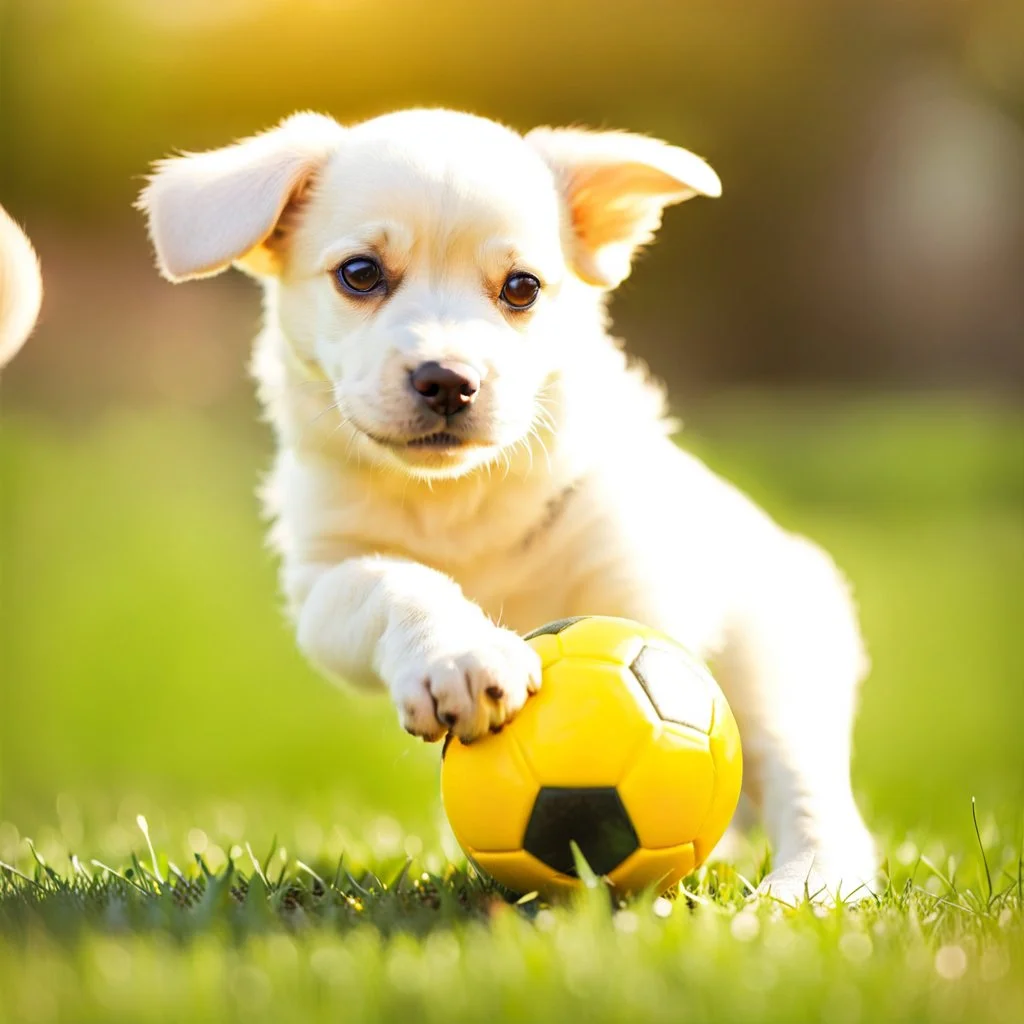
<point x="433" y="268"/>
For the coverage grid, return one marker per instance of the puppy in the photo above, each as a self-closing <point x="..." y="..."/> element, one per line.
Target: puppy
<point x="21" y="288"/>
<point x="464" y="452"/>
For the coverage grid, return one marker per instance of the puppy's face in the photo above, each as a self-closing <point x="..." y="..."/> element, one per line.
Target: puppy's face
<point x="425" y="275"/>
<point x="429" y="266"/>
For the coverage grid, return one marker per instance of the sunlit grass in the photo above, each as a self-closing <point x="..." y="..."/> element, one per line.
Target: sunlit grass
<point x="271" y="937"/>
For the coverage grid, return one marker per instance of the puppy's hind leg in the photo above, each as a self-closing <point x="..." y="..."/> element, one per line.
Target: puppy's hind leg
<point x="791" y="672"/>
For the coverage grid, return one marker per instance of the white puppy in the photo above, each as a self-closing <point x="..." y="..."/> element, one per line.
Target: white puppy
<point x="461" y="444"/>
<point x="21" y="288"/>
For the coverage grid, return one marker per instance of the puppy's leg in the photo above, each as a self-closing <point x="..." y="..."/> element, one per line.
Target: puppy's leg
<point x="791" y="670"/>
<point x="447" y="666"/>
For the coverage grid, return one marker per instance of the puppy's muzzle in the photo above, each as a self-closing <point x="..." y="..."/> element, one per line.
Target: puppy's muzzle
<point x="445" y="388"/>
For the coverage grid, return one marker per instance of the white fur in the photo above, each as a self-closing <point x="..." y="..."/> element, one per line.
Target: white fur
<point x="21" y="288"/>
<point x="399" y="562"/>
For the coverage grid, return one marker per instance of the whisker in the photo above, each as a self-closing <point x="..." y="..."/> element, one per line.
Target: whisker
<point x="535" y="433"/>
<point x="333" y="407"/>
<point x="529" y="450"/>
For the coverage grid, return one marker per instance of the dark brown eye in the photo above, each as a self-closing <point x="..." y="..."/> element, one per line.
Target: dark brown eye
<point x="360" y="275"/>
<point x="520" y="291"/>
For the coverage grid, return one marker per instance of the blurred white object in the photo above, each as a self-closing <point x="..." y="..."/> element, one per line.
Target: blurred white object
<point x="21" y="288"/>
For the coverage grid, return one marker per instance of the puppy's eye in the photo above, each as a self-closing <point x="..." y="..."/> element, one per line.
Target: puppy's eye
<point x="520" y="291"/>
<point x="360" y="275"/>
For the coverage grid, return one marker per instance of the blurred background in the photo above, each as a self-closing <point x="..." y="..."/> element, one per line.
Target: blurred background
<point x="842" y="333"/>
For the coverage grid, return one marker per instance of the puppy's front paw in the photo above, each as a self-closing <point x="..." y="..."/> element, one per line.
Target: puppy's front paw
<point x="468" y="690"/>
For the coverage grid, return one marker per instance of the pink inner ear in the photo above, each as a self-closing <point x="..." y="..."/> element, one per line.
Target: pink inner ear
<point x="619" y="202"/>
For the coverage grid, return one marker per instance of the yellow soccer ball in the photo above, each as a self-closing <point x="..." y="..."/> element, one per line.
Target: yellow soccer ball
<point x="629" y="750"/>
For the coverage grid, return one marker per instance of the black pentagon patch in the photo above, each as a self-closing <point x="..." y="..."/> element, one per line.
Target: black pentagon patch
<point x="593" y="817"/>
<point x="554" y="628"/>
<point x="677" y="691"/>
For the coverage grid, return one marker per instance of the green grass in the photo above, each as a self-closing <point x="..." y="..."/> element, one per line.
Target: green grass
<point x="279" y="940"/>
<point x="147" y="670"/>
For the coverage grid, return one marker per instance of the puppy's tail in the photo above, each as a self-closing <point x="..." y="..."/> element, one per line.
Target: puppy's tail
<point x="21" y="287"/>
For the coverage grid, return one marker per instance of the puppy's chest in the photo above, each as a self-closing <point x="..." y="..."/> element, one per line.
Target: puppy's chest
<point x="517" y="567"/>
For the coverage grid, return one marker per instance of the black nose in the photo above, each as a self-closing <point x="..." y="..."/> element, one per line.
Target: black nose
<point x="446" y="387"/>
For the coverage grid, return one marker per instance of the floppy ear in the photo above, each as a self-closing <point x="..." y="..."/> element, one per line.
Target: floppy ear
<point x="208" y="210"/>
<point x="615" y="186"/>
